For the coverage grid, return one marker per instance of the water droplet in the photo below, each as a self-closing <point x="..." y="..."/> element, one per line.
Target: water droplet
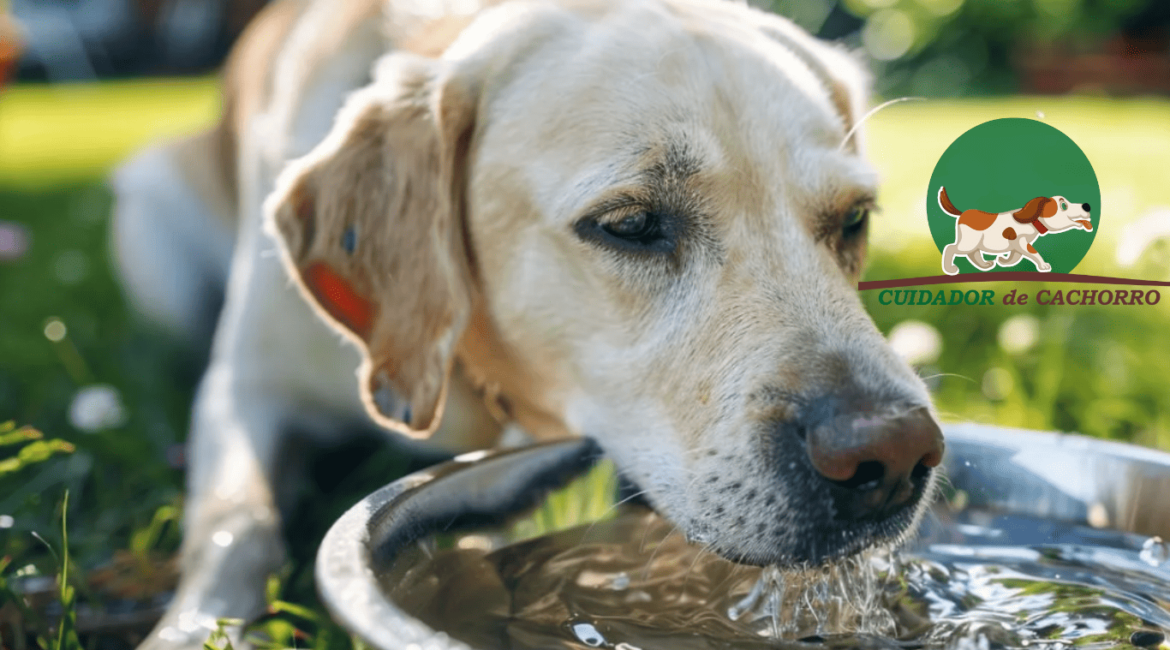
<point x="621" y="581"/>
<point x="1155" y="552"/>
<point x="6" y="521"/>
<point x="588" y="635"/>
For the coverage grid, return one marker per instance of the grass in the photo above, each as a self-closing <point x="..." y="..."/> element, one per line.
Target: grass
<point x="1101" y="371"/>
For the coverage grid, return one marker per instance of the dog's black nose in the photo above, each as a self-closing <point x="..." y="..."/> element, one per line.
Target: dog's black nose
<point x="875" y="461"/>
<point x="1086" y="207"/>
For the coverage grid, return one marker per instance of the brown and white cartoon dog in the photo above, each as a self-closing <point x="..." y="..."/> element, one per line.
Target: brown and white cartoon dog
<point x="1009" y="235"/>
<point x="641" y="221"/>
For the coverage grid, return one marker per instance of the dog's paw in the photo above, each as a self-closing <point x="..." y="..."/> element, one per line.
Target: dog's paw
<point x="1044" y="268"/>
<point x="186" y="633"/>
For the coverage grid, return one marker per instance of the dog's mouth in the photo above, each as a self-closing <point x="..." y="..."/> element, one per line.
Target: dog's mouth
<point x="819" y="531"/>
<point x="835" y="540"/>
<point x="1087" y="225"/>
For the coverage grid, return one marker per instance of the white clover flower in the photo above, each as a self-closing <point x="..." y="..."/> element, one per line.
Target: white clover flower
<point x="97" y="407"/>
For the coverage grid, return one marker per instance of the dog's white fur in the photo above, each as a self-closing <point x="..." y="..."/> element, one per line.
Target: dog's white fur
<point x="548" y="119"/>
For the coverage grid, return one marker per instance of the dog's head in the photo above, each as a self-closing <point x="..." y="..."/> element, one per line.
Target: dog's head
<point x="638" y="221"/>
<point x="1057" y="212"/>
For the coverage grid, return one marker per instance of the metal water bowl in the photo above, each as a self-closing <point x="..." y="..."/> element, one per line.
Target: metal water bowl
<point x="1060" y="477"/>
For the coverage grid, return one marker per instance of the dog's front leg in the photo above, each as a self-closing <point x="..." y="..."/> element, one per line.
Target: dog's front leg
<point x="273" y="361"/>
<point x="232" y="539"/>
<point x="1034" y="256"/>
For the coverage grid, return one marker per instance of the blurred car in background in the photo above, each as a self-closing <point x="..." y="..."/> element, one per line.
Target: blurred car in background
<point x="67" y="40"/>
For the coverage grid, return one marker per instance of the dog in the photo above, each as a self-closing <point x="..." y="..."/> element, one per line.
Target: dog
<point x="1009" y="235"/>
<point x="641" y="221"/>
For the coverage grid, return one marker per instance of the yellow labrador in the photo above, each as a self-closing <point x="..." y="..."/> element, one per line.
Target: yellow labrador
<point x="636" y="220"/>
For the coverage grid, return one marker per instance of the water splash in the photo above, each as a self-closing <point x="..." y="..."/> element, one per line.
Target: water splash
<point x="1155" y="552"/>
<point x="844" y="597"/>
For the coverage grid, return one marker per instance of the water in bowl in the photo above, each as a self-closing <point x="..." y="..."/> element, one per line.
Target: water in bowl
<point x="972" y="580"/>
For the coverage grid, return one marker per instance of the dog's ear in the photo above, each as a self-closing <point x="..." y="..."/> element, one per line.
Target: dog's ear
<point x="370" y="225"/>
<point x="845" y="77"/>
<point x="1040" y="206"/>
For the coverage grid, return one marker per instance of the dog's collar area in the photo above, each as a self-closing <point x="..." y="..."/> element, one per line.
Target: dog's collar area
<point x="1040" y="227"/>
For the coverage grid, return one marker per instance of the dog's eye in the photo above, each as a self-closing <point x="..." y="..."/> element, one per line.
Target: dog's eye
<point x="642" y="230"/>
<point x="855" y="220"/>
<point x="632" y="227"/>
<point x="1063" y="205"/>
<point x="349" y="239"/>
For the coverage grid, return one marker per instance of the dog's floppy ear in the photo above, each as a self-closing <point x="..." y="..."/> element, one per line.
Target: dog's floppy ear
<point x="370" y="227"/>
<point x="1040" y="206"/>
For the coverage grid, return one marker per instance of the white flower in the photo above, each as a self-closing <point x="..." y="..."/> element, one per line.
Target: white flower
<point x="918" y="343"/>
<point x="1138" y="235"/>
<point x="97" y="407"/>
<point x="1019" y="334"/>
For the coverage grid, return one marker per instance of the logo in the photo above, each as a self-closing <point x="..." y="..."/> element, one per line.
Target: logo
<point x="1013" y="200"/>
<point x="1013" y="195"/>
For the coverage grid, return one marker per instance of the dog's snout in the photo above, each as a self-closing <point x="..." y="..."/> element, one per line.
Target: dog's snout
<point x="1086" y="207"/>
<point x="876" y="460"/>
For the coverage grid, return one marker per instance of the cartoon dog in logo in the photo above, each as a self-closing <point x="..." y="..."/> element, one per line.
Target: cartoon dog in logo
<point x="1009" y="235"/>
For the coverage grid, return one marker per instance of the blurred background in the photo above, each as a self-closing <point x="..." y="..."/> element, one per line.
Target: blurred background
<point x="98" y="400"/>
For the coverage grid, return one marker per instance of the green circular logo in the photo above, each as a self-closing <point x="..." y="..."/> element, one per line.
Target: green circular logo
<point x="1013" y="195"/>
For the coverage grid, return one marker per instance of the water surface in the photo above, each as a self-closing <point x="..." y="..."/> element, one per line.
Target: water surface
<point x="972" y="580"/>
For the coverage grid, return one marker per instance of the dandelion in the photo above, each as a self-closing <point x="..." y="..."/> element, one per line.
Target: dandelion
<point x="97" y="407"/>
<point x="918" y="343"/>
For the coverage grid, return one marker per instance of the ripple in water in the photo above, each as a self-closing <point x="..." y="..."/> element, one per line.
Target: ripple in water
<point x="975" y="582"/>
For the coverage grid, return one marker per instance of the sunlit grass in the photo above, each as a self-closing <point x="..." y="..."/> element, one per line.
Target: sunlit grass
<point x="50" y="134"/>
<point x="587" y="499"/>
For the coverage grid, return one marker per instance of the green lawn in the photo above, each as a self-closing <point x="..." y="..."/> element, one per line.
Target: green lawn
<point x="1102" y="371"/>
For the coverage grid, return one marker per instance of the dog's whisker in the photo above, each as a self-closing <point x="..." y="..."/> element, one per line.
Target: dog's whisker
<point x="949" y="374"/>
<point x="871" y="113"/>
<point x="608" y="510"/>
<point x="654" y="553"/>
<point x="687" y="575"/>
